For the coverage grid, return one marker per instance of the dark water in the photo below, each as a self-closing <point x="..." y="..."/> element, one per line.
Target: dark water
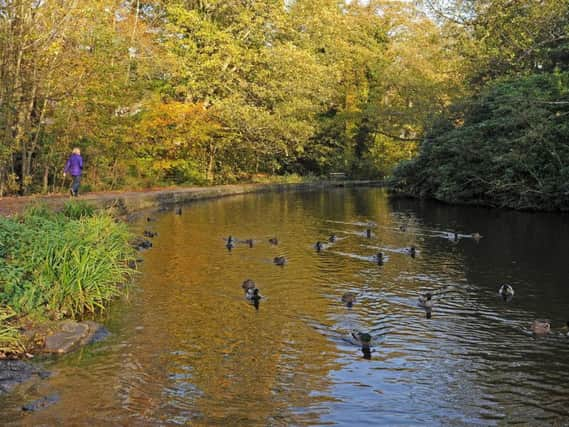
<point x="187" y="348"/>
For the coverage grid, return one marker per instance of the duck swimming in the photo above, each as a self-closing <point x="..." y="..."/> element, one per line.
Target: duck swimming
<point x="178" y="211"/>
<point x="362" y="338"/>
<point x="273" y="241"/>
<point x="254" y="297"/>
<point x="332" y="238"/>
<point x="279" y="260"/>
<point x="541" y="327"/>
<point x="349" y="298"/>
<point x="249" y="242"/>
<point x="379" y="258"/>
<point x="412" y="251"/>
<point x="426" y="302"/>
<point x="230" y="243"/>
<point x="151" y="234"/>
<point x="248" y="284"/>
<point x="506" y="292"/>
<point x="319" y="246"/>
<point x="368" y="233"/>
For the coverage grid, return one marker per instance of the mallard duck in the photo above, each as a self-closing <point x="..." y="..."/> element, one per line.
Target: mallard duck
<point x="249" y="242"/>
<point x="151" y="234"/>
<point x="426" y="302"/>
<point x="368" y="233"/>
<point x="379" y="258"/>
<point x="412" y="251"/>
<point x="319" y="246"/>
<point x="230" y="244"/>
<point x="279" y="260"/>
<point x="541" y="327"/>
<point x="332" y="238"/>
<point x="254" y="297"/>
<point x="248" y="284"/>
<point x="349" y="298"/>
<point x="362" y="338"/>
<point x="506" y="292"/>
<point x="273" y="241"/>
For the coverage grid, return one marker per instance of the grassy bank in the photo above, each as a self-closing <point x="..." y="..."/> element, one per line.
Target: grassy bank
<point x="58" y="265"/>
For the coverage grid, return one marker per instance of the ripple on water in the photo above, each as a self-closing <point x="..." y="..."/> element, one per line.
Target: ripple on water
<point x="187" y="348"/>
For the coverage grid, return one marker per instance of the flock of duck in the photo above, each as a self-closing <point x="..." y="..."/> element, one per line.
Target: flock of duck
<point x="425" y="300"/>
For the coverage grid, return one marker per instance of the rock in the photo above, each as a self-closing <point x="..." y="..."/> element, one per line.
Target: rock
<point x="14" y="372"/>
<point x="68" y="336"/>
<point x="97" y="332"/>
<point x="44" y="402"/>
<point x="71" y="334"/>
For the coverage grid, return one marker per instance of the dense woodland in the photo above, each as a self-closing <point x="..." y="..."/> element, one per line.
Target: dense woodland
<point x="215" y="91"/>
<point x="506" y="143"/>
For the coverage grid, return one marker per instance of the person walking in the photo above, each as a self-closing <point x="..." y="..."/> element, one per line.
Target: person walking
<point x="74" y="167"/>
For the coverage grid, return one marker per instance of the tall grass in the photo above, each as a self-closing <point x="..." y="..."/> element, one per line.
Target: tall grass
<point x="9" y="336"/>
<point x="62" y="264"/>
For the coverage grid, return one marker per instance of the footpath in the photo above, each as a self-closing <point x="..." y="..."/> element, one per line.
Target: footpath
<point x="134" y="201"/>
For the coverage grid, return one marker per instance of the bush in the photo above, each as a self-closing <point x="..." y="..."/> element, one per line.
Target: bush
<point x="62" y="265"/>
<point x="506" y="147"/>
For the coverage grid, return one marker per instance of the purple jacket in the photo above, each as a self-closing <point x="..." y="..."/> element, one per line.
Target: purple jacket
<point x="74" y="165"/>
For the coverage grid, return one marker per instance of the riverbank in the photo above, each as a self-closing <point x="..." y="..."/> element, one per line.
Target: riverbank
<point x="132" y="201"/>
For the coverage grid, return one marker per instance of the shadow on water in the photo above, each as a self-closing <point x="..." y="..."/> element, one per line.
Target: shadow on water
<point x="186" y="349"/>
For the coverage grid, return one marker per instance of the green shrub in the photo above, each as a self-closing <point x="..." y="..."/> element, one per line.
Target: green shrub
<point x="62" y="264"/>
<point x="506" y="147"/>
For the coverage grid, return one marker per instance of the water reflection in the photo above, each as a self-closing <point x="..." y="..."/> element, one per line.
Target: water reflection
<point x="188" y="345"/>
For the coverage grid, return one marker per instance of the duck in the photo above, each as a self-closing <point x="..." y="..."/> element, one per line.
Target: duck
<point x="332" y="238"/>
<point x="249" y="242"/>
<point x="178" y="211"/>
<point x="368" y="233"/>
<point x="273" y="241"/>
<point x="426" y="302"/>
<point x="279" y="260"/>
<point x="319" y="246"/>
<point x="349" y="298"/>
<point x="412" y="251"/>
<point x="230" y="243"/>
<point x="254" y="297"/>
<point x="362" y="338"/>
<point x="379" y="258"/>
<point x="541" y="327"/>
<point x="403" y="228"/>
<point x="506" y="292"/>
<point x="148" y="219"/>
<point x="455" y="236"/>
<point x="151" y="234"/>
<point x="248" y="284"/>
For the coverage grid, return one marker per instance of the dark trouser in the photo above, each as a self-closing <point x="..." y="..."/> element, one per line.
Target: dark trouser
<point x="75" y="185"/>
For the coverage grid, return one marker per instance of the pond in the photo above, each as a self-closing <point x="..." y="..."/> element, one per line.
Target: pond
<point x="188" y="348"/>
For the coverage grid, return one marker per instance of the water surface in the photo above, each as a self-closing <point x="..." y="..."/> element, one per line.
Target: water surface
<point x="187" y="348"/>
